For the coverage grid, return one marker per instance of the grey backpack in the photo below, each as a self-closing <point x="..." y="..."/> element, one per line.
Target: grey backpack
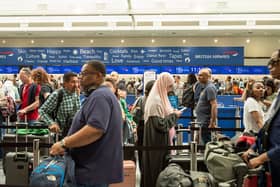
<point x="221" y="160"/>
<point x="174" y="176"/>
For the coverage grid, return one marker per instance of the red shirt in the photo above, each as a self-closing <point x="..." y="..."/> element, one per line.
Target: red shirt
<point x="34" y="114"/>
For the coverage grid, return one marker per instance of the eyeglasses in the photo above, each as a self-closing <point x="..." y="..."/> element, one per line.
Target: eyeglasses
<point x="273" y="62"/>
<point x="85" y="73"/>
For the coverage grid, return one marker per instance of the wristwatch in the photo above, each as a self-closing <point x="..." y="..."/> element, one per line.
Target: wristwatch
<point x="62" y="143"/>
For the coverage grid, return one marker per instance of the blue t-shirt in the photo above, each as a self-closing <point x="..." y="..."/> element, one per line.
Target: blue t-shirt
<point x="100" y="162"/>
<point x="203" y="108"/>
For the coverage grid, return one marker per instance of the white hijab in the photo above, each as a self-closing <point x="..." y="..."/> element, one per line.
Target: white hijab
<point x="157" y="103"/>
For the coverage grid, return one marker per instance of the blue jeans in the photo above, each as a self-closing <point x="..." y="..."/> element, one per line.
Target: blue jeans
<point x="94" y="185"/>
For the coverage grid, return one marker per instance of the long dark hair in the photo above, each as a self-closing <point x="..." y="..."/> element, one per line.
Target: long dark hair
<point x="269" y="83"/>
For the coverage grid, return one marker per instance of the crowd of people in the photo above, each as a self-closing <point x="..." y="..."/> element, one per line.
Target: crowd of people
<point x="90" y="113"/>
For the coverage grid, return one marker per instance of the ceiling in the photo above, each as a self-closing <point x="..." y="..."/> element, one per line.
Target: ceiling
<point x="138" y="18"/>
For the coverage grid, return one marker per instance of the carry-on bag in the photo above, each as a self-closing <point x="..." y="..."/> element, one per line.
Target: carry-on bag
<point x="129" y="175"/>
<point x="18" y="165"/>
<point x="221" y="160"/>
<point x="28" y="135"/>
<point x="173" y="176"/>
<point x="184" y="160"/>
<point x="49" y="173"/>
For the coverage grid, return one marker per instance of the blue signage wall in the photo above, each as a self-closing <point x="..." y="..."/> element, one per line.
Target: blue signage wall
<point x="136" y="56"/>
<point x="158" y="69"/>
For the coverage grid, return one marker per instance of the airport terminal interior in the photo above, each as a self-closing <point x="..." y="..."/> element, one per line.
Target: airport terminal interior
<point x="140" y="39"/>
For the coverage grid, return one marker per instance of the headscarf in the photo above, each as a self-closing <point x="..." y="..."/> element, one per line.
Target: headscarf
<point x="157" y="103"/>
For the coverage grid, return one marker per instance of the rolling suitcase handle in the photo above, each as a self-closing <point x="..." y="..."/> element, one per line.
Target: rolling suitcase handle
<point x="26" y="128"/>
<point x="36" y="152"/>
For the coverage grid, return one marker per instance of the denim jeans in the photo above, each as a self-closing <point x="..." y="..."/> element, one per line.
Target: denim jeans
<point x="94" y="185"/>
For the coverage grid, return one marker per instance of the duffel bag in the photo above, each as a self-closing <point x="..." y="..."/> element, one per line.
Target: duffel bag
<point x="173" y="176"/>
<point x="221" y="160"/>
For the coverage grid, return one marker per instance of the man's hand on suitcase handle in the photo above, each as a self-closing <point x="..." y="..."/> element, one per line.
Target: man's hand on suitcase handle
<point x="245" y="156"/>
<point x="57" y="149"/>
<point x="261" y="159"/>
<point x="253" y="160"/>
<point x="22" y="112"/>
<point x="54" y="128"/>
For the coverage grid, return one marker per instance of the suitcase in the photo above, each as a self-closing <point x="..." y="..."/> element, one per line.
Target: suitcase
<point x="18" y="165"/>
<point x="251" y="180"/>
<point x="268" y="179"/>
<point x="10" y="138"/>
<point x="129" y="175"/>
<point x="184" y="160"/>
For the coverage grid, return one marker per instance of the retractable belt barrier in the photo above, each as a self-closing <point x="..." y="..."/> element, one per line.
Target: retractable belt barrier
<point x="182" y="129"/>
<point x="24" y="127"/>
<point x="223" y="118"/>
<point x="126" y="148"/>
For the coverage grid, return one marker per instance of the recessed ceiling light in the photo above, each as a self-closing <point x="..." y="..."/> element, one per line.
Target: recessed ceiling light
<point x="91" y="41"/>
<point x="3" y="41"/>
<point x="184" y="41"/>
<point x="122" y="41"/>
<point x="248" y="41"/>
<point x="61" y="41"/>
<point x="216" y="40"/>
<point x="153" y="40"/>
<point x="32" y="41"/>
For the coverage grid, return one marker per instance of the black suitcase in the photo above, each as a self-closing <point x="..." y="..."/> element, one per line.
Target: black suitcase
<point x="18" y="165"/>
<point x="184" y="160"/>
<point x="11" y="138"/>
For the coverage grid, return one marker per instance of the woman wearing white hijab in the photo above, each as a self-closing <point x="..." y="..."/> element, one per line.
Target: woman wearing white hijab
<point x="160" y="118"/>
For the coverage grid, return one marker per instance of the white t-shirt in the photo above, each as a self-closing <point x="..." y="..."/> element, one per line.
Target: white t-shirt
<point x="251" y="105"/>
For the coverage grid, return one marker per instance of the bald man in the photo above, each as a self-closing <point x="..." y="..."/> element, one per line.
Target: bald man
<point x="206" y="109"/>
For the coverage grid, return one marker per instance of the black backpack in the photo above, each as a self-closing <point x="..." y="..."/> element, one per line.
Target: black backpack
<point x="41" y="94"/>
<point x="188" y="98"/>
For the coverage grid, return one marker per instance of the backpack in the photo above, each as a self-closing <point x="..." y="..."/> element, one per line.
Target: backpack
<point x="244" y="142"/>
<point x="9" y="108"/>
<point x="220" y="159"/>
<point x="55" y="171"/>
<point x="137" y="113"/>
<point x="69" y="119"/>
<point x="49" y="173"/>
<point x="188" y="98"/>
<point x="41" y="96"/>
<point x="173" y="176"/>
<point x="59" y="100"/>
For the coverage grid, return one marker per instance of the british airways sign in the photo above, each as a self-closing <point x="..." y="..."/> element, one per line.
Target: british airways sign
<point x="135" y="56"/>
